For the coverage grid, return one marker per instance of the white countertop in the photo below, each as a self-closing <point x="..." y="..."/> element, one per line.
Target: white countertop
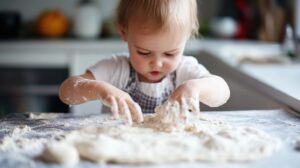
<point x="285" y="78"/>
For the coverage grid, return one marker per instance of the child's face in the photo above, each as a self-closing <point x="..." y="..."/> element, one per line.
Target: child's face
<point x="154" y="55"/>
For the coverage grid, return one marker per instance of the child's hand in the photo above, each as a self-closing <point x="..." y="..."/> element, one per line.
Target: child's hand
<point x="188" y="97"/>
<point x="211" y="90"/>
<point x="83" y="88"/>
<point x="121" y="104"/>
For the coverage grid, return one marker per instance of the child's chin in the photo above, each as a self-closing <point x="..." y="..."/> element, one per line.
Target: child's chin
<point x="155" y="80"/>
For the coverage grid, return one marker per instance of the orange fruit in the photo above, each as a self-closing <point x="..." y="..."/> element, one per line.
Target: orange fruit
<point x="52" y="23"/>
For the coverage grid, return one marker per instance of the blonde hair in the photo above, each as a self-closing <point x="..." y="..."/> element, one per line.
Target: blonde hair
<point x="159" y="14"/>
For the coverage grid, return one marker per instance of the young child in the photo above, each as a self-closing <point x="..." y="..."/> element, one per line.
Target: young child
<point x="155" y="69"/>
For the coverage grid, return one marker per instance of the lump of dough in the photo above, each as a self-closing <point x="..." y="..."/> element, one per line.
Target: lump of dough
<point x="43" y="116"/>
<point x="106" y="149"/>
<point x="60" y="152"/>
<point x="19" y="130"/>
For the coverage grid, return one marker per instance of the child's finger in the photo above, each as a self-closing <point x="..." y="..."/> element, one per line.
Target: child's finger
<point x="113" y="105"/>
<point x="183" y="109"/>
<point x="114" y="108"/>
<point x="132" y="109"/>
<point x="137" y="111"/>
<point x="124" y="109"/>
<point x="194" y="105"/>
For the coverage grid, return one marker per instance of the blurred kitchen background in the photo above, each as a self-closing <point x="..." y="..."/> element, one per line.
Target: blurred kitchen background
<point x="44" y="41"/>
<point x="263" y="20"/>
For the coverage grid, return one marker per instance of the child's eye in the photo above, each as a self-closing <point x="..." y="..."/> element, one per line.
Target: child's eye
<point x="170" y="54"/>
<point x="143" y="53"/>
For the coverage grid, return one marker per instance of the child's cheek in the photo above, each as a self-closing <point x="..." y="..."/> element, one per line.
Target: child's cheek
<point x="138" y="63"/>
<point x="172" y="65"/>
<point x="140" y="67"/>
<point x="169" y="67"/>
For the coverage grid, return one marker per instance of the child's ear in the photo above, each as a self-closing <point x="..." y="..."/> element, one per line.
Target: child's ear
<point x="122" y="32"/>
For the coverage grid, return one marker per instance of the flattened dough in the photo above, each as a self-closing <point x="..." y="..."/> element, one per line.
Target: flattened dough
<point x="160" y="140"/>
<point x="60" y="152"/>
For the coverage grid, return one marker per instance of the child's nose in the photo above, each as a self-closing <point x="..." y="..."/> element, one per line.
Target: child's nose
<point x="157" y="63"/>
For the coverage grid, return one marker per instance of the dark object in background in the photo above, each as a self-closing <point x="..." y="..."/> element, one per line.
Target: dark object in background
<point x="24" y="89"/>
<point x="242" y="11"/>
<point x="10" y="24"/>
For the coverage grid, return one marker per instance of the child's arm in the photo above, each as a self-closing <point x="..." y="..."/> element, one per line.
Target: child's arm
<point x="83" y="88"/>
<point x="211" y="90"/>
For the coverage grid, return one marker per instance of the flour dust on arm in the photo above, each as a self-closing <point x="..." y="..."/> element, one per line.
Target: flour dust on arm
<point x="79" y="89"/>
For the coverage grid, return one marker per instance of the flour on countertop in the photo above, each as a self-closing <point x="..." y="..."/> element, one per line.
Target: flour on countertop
<point x="167" y="137"/>
<point x="13" y="144"/>
<point x="162" y="138"/>
<point x="16" y="136"/>
<point x="19" y="130"/>
<point x="15" y="141"/>
<point x="43" y="116"/>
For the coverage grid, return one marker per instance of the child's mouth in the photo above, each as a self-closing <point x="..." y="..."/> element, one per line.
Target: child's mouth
<point x="154" y="73"/>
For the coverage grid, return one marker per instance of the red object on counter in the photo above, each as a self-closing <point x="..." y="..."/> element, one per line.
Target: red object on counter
<point x="245" y="19"/>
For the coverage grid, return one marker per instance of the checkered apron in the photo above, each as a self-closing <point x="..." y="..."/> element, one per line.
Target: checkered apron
<point x="147" y="103"/>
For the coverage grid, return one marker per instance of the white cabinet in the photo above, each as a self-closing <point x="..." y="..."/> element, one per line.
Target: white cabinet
<point x="79" y="61"/>
<point x="31" y="58"/>
<point x="73" y="56"/>
<point x="78" y="65"/>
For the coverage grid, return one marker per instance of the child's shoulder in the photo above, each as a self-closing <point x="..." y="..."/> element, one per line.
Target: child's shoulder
<point x="191" y="63"/>
<point x="187" y="60"/>
<point x="120" y="57"/>
<point x="117" y="58"/>
<point x="190" y="68"/>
